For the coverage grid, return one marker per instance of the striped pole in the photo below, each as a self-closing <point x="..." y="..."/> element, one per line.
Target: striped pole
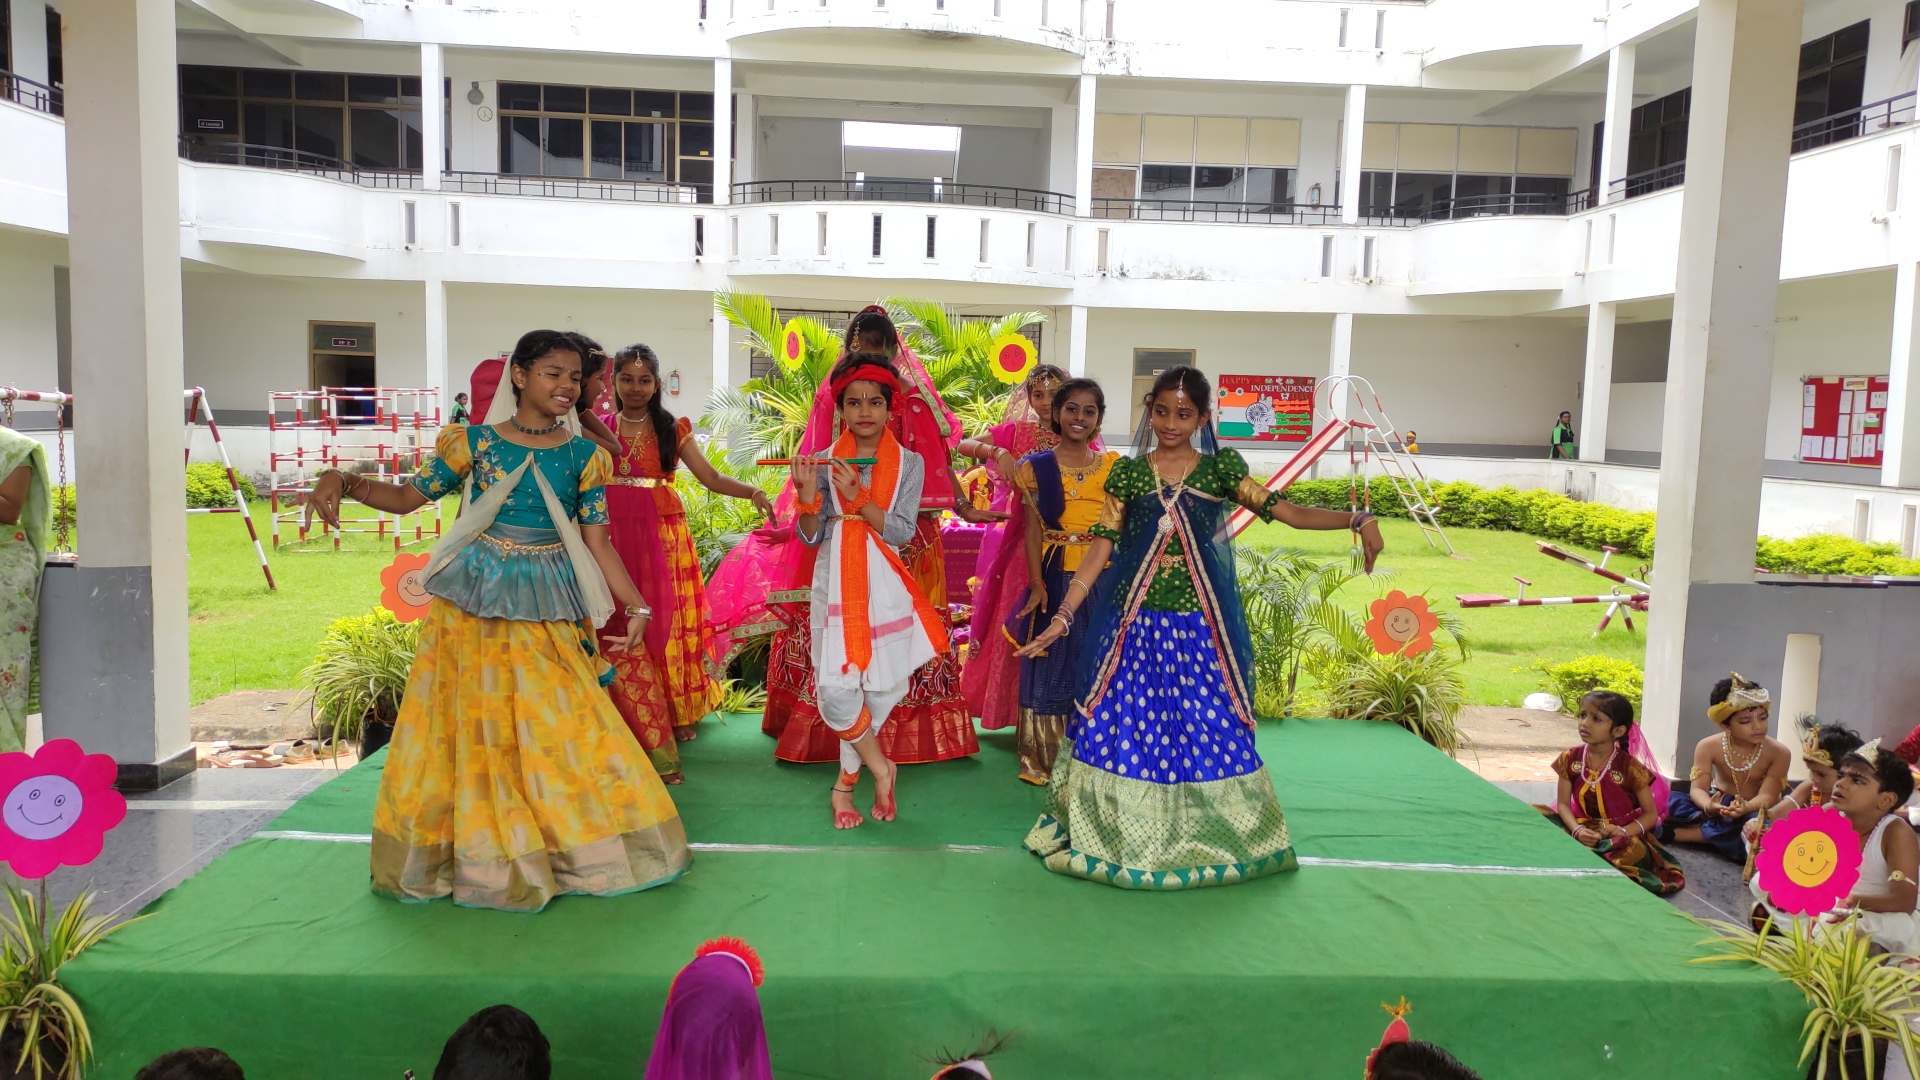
<point x="197" y="400"/>
<point x="1482" y="600"/>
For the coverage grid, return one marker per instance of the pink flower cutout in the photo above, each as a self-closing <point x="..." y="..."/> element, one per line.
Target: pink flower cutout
<point x="56" y="806"/>
<point x="1809" y="860"/>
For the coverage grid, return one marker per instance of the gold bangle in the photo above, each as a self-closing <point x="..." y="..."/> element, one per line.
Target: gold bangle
<point x="1082" y="584"/>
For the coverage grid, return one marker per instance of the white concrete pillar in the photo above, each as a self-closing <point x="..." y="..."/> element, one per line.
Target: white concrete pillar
<point x="1619" y="121"/>
<point x="1900" y="459"/>
<point x="1596" y="388"/>
<point x="433" y="115"/>
<point x="748" y="138"/>
<point x="722" y="350"/>
<point x="1340" y="360"/>
<point x="1720" y="367"/>
<point x="722" y="131"/>
<point x="117" y="683"/>
<point x="436" y="320"/>
<point x="1353" y="135"/>
<point x="29" y="34"/>
<point x="1077" y="341"/>
<point x="1083" y="147"/>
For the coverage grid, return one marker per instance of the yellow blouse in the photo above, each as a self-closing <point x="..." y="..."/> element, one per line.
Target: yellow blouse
<point x="1086" y="495"/>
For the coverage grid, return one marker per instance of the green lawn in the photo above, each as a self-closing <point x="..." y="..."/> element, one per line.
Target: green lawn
<point x="1506" y="642"/>
<point x="243" y="637"/>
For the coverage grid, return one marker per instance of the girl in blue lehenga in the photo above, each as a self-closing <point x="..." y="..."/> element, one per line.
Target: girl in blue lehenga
<point x="1158" y="784"/>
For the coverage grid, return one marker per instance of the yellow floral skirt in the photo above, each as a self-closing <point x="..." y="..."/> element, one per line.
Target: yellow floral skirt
<point x="511" y="777"/>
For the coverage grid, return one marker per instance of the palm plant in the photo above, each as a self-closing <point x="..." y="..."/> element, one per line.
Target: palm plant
<point x="1855" y="998"/>
<point x="1423" y="693"/>
<point x="719" y="522"/>
<point x="765" y="417"/>
<point x="42" y="1029"/>
<point x="1277" y="588"/>
<point x="957" y="351"/>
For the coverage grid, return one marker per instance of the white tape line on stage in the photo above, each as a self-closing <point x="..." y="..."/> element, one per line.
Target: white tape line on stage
<point x="981" y="849"/>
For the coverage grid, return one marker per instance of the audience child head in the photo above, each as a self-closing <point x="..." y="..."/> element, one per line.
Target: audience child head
<point x="1078" y="409"/>
<point x="1606" y="719"/>
<point x="711" y="1028"/>
<point x="1824" y="747"/>
<point x="497" y="1043"/>
<point x="971" y="1064"/>
<point x="194" y="1063"/>
<point x="1418" y="1061"/>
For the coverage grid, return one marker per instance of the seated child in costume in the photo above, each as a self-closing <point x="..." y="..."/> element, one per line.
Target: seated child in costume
<point x="872" y="626"/>
<point x="1873" y="785"/>
<point x="1606" y="796"/>
<point x="1400" y="1057"/>
<point x="711" y="1027"/>
<point x="1735" y="773"/>
<point x="1820" y="752"/>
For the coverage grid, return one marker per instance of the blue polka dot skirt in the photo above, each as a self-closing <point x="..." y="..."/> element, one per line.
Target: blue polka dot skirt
<point x="1159" y="785"/>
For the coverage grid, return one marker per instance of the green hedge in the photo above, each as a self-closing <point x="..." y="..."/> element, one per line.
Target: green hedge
<point x="207" y="486"/>
<point x="1595" y="525"/>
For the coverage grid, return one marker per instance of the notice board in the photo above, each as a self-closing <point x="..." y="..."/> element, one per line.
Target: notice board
<point x="1266" y="408"/>
<point x="1841" y="419"/>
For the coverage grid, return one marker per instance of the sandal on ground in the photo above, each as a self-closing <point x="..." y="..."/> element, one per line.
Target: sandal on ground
<point x="846" y="819"/>
<point x="673" y="778"/>
<point x="298" y="752"/>
<point x="257" y="759"/>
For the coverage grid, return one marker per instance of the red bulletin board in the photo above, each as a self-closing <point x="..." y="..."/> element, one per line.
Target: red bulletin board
<point x="1841" y="419"/>
<point x="1266" y="408"/>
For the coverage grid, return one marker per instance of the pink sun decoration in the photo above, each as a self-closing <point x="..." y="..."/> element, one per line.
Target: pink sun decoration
<point x="1809" y="860"/>
<point x="56" y="806"/>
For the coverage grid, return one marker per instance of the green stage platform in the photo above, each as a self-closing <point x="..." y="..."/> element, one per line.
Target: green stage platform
<point x="887" y="942"/>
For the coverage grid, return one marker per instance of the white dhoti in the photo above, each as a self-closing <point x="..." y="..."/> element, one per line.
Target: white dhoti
<point x="853" y="701"/>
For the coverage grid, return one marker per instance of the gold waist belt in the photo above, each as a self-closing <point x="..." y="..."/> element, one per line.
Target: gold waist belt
<point x="509" y="546"/>
<point x="640" y="481"/>
<point x="1078" y="539"/>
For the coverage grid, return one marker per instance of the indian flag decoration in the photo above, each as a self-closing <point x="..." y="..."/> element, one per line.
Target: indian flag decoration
<point x="1245" y="414"/>
<point x="1011" y="356"/>
<point x="793" y="345"/>
<point x="1809" y="860"/>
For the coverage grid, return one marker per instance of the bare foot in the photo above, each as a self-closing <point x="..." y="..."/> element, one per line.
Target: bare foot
<point x="884" y="807"/>
<point x="686" y="734"/>
<point x="844" y="815"/>
<point x="673" y="778"/>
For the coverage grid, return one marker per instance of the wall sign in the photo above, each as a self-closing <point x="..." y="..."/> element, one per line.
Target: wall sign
<point x="346" y="343"/>
<point x="1841" y="419"/>
<point x="1266" y="408"/>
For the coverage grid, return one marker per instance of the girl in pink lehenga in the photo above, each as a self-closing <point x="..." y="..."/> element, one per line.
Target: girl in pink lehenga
<point x="990" y="680"/>
<point x="765" y="580"/>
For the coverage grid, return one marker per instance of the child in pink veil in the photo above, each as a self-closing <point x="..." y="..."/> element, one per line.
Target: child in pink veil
<point x="990" y="679"/>
<point x="932" y="723"/>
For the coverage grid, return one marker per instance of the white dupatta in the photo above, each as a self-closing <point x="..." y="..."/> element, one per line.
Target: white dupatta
<point x="476" y="515"/>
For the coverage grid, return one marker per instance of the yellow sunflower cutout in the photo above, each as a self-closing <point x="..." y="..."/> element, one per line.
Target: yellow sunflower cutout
<point x="1010" y="357"/>
<point x="793" y="346"/>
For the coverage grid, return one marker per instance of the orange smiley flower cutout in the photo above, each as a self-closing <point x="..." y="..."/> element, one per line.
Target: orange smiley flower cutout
<point x="1403" y="624"/>
<point x="403" y="586"/>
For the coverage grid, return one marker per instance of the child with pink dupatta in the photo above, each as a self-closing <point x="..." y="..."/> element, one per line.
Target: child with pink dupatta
<point x="711" y="1027"/>
<point x="990" y="679"/>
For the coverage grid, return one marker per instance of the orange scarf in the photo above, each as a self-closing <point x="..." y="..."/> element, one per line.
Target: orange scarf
<point x="853" y="556"/>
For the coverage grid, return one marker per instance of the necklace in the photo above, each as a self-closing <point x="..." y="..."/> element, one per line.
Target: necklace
<point x="1168" y="492"/>
<point x="1739" y="773"/>
<point x="630" y="448"/>
<point x="548" y="430"/>
<point x="1592" y="780"/>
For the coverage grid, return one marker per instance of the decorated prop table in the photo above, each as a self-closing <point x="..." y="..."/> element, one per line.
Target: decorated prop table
<point x="885" y="942"/>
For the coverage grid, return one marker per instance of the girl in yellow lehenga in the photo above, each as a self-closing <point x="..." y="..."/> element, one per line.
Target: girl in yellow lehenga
<point x="511" y="777"/>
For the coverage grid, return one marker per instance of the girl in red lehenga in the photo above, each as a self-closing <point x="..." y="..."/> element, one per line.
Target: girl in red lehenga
<point x="932" y="723"/>
<point x="663" y="690"/>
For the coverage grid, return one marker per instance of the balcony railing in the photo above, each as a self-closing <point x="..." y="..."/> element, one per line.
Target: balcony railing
<point x="1865" y="120"/>
<point x="34" y="95"/>
<point x="260" y="156"/>
<point x="917" y="191"/>
<point x="1241" y="213"/>
<point x="568" y="187"/>
<point x="1510" y="204"/>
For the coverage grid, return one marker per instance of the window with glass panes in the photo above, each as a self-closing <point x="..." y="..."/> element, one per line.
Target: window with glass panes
<point x="1833" y="79"/>
<point x="1448" y="170"/>
<point x="1246" y="162"/>
<point x="607" y="133"/>
<point x="369" y="121"/>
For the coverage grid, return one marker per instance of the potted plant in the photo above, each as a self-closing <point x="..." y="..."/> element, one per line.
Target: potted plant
<point x="1423" y="693"/>
<point x="1858" y="1002"/>
<point x="358" y="676"/>
<point x="1279" y="589"/>
<point x="42" y="1030"/>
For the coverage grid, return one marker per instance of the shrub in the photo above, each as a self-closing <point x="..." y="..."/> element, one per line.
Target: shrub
<point x="1577" y="677"/>
<point x="1422" y="693"/>
<point x="360" y="671"/>
<point x="207" y="486"/>
<point x="1825" y="553"/>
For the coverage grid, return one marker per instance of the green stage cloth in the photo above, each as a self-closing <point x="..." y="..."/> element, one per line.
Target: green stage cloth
<point x="887" y="942"/>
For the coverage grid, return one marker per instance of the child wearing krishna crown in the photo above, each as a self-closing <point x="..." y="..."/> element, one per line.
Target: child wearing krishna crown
<point x="872" y="626"/>
<point x="1735" y="774"/>
<point x="1873" y="785"/>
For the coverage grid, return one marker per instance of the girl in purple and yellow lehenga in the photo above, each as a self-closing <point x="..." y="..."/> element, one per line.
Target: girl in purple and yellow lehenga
<point x="990" y="679"/>
<point x="1157" y="784"/>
